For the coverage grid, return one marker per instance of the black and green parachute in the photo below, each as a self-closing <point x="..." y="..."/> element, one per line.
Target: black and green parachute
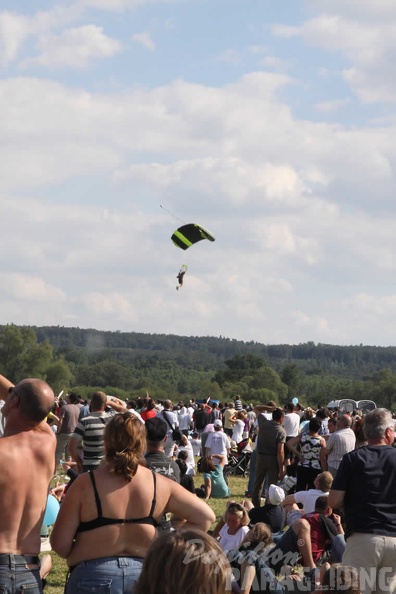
<point x="186" y="235"/>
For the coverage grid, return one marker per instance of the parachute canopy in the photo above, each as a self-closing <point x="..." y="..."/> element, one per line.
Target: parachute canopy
<point x="187" y="235"/>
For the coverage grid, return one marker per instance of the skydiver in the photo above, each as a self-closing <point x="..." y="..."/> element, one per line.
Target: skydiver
<point x="180" y="278"/>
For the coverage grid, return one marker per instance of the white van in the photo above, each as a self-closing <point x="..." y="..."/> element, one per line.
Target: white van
<point x="348" y="405"/>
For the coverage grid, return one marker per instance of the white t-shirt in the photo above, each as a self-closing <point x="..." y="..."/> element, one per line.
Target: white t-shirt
<point x="171" y="419"/>
<point x="196" y="446"/>
<point x="308" y="499"/>
<point x="291" y="424"/>
<point x="185" y="419"/>
<point x="190" y="454"/>
<point x="232" y="541"/>
<point x="217" y="442"/>
<point x="237" y="432"/>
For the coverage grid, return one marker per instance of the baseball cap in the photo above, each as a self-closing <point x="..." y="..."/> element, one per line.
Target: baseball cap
<point x="275" y="494"/>
<point x="217" y="423"/>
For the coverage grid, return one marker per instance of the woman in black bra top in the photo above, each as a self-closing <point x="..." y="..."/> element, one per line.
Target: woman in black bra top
<point x="108" y="518"/>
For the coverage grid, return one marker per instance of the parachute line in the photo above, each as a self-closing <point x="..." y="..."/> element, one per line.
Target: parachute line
<point x="172" y="215"/>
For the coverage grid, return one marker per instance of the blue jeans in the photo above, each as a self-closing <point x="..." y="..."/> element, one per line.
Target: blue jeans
<point x="109" y="575"/>
<point x="14" y="580"/>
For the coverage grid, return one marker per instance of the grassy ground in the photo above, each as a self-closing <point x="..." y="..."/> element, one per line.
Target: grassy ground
<point x="56" y="578"/>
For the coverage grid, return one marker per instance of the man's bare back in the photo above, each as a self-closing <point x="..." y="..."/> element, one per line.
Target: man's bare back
<point x="27" y="453"/>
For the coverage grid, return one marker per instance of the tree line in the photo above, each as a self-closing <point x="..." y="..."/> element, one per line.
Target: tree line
<point x="128" y="364"/>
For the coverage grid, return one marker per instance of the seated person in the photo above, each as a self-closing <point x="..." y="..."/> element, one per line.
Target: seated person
<point x="186" y="480"/>
<point x="250" y="571"/>
<point x="307" y="499"/>
<point x="233" y="526"/>
<point x="214" y="482"/>
<point x="338" y="578"/>
<point x="310" y="537"/>
<point x="272" y="513"/>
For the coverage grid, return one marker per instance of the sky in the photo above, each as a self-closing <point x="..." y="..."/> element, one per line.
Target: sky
<point x="271" y="124"/>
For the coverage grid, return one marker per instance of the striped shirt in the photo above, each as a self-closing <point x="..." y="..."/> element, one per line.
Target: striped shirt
<point x="339" y="443"/>
<point x="91" y="431"/>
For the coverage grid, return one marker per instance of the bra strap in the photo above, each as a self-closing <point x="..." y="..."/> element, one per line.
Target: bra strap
<point x="98" y="503"/>
<point x="154" y="495"/>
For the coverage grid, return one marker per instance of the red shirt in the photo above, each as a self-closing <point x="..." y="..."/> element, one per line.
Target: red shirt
<point x="318" y="534"/>
<point x="148" y="414"/>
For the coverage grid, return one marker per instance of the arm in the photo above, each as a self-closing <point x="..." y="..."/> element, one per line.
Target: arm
<point x="248" y="573"/>
<point x="208" y="488"/>
<point x="219" y="457"/>
<point x="323" y="455"/>
<point x="288" y="500"/>
<point x="116" y="403"/>
<point x="329" y="444"/>
<point x="74" y="442"/>
<point x="280" y="455"/>
<point x="185" y="505"/>
<point x="53" y="418"/>
<point x="260" y="408"/>
<point x="336" y="499"/>
<point x="58" y="423"/>
<point x="68" y="519"/>
<point x="4" y="385"/>
<point x="337" y="523"/>
<point x="291" y="445"/>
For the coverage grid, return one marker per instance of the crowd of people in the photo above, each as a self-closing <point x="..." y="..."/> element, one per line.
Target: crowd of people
<point x="320" y="495"/>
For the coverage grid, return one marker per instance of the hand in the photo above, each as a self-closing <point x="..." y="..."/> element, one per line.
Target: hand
<point x="336" y="519"/>
<point x="282" y="472"/>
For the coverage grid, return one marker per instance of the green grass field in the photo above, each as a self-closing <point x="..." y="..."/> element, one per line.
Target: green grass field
<point x="56" y="578"/>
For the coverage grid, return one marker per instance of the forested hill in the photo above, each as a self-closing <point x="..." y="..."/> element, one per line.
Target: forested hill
<point x="210" y="353"/>
<point x="128" y="364"/>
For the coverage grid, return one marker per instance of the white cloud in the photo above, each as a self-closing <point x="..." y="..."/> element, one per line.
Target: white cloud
<point x="120" y="5"/>
<point x="230" y="56"/>
<point x="332" y="105"/>
<point x="14" y="29"/>
<point x="302" y="210"/>
<point x="368" y="44"/>
<point x="29" y="288"/>
<point x="144" y="39"/>
<point x="276" y="63"/>
<point x="75" y="47"/>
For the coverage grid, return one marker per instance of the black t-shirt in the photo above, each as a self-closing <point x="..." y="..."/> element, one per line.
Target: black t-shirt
<point x="368" y="477"/>
<point x="162" y="464"/>
<point x="273" y="515"/>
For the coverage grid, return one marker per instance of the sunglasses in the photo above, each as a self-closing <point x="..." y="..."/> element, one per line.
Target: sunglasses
<point x="236" y="506"/>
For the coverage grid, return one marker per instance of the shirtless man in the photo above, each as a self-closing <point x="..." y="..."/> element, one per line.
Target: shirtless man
<point x="27" y="453"/>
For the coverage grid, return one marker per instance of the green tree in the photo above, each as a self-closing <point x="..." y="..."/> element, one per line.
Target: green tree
<point x="291" y="376"/>
<point x="384" y="388"/>
<point x="20" y="355"/>
<point x="59" y="375"/>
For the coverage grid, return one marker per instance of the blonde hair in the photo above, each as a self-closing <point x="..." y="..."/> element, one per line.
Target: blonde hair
<point x="341" y="578"/>
<point x="236" y="509"/>
<point x="184" y="562"/>
<point x="125" y="442"/>
<point x="259" y="535"/>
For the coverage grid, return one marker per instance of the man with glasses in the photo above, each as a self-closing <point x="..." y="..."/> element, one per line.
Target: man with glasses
<point x="27" y="453"/>
<point x="365" y="486"/>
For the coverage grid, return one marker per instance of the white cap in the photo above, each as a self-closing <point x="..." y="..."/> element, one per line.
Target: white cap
<point x="217" y="423"/>
<point x="275" y="494"/>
